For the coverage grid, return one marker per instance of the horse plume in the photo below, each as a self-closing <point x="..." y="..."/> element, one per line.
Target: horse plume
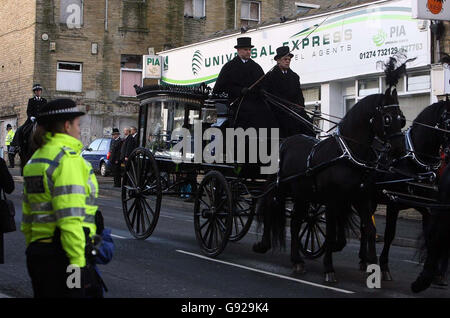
<point x="394" y="68"/>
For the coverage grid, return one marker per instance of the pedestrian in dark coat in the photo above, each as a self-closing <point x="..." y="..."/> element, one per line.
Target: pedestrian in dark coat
<point x="125" y="141"/>
<point x="235" y="79"/>
<point x="114" y="158"/>
<point x="285" y="83"/>
<point x="132" y="142"/>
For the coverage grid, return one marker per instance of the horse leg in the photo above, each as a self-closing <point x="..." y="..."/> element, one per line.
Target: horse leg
<point x="264" y="245"/>
<point x="369" y="230"/>
<point x="341" y="240"/>
<point x="363" y="248"/>
<point x="330" y="276"/>
<point x="389" y="234"/>
<point x="299" y="213"/>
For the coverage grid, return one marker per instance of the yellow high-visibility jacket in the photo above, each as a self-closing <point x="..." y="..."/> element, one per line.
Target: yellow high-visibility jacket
<point x="9" y="137"/>
<point x="59" y="191"/>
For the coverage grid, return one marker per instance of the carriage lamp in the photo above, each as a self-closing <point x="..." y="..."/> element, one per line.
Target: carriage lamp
<point x="209" y="112"/>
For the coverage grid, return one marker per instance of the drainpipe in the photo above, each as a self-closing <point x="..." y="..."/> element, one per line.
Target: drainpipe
<point x="235" y="14"/>
<point x="106" y="15"/>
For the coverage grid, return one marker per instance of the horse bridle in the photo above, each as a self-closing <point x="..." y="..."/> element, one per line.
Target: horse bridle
<point x="387" y="122"/>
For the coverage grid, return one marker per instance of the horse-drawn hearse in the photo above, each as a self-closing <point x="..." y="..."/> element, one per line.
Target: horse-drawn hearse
<point x="326" y="178"/>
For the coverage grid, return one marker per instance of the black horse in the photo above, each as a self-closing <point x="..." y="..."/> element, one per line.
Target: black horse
<point x="334" y="172"/>
<point x="437" y="236"/>
<point x="423" y="157"/>
<point x="22" y="142"/>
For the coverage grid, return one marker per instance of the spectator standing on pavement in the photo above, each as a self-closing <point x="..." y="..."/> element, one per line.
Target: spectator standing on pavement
<point x="132" y="143"/>
<point x="59" y="210"/>
<point x="114" y="150"/>
<point x="126" y="140"/>
<point x="6" y="185"/>
<point x="9" y="138"/>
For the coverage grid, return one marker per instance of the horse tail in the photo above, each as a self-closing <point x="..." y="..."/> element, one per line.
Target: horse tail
<point x="271" y="213"/>
<point x="278" y="218"/>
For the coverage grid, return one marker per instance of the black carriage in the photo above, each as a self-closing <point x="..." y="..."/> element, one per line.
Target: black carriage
<point x="225" y="194"/>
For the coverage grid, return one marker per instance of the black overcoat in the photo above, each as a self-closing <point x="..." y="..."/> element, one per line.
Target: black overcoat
<point x="115" y="149"/>
<point x="34" y="105"/>
<point x="234" y="76"/>
<point x="286" y="86"/>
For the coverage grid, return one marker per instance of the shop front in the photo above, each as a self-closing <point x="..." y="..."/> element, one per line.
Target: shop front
<point x="338" y="55"/>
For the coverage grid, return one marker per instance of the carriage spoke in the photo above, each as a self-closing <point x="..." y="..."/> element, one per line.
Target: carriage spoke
<point x="132" y="181"/>
<point x="208" y="230"/>
<point x="134" y="214"/>
<point x="216" y="235"/>
<point x="203" y="225"/>
<point x="236" y="227"/>
<point x="149" y="207"/>
<point x="303" y="232"/>
<point x="307" y="237"/>
<point x="131" y="208"/>
<point x="312" y="238"/>
<point x="151" y="211"/>
<point x="321" y="231"/>
<point x="207" y="205"/>
<point x="211" y="234"/>
<point x="143" y="212"/>
<point x="319" y="243"/>
<point x="222" y="225"/>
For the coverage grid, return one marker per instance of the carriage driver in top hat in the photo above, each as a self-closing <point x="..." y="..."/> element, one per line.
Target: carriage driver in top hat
<point x="235" y="79"/>
<point x="285" y="83"/>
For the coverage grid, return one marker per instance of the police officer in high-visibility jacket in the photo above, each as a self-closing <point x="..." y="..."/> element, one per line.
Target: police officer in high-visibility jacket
<point x="8" y="139"/>
<point x="58" y="206"/>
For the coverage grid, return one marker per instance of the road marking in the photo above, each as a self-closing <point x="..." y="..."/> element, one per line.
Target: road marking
<point x="118" y="236"/>
<point x="268" y="273"/>
<point x="408" y="261"/>
<point x="4" y="296"/>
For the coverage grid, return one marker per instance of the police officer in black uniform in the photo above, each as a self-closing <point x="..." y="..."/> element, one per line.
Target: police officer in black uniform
<point x="285" y="83"/>
<point x="35" y="103"/>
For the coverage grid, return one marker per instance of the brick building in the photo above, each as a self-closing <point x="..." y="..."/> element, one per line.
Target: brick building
<point x="91" y="51"/>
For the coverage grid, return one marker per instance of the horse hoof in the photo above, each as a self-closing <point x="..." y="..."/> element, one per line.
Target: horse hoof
<point x="363" y="266"/>
<point x="386" y="276"/>
<point x="440" y="281"/>
<point x="260" y="248"/>
<point x="330" y="277"/>
<point x="421" y="284"/>
<point x="299" y="268"/>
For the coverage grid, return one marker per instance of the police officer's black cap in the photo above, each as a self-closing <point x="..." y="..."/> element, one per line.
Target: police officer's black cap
<point x="283" y="51"/>
<point x="36" y="87"/>
<point x="59" y="109"/>
<point x="115" y="131"/>
<point x="244" y="42"/>
<point x="8" y="126"/>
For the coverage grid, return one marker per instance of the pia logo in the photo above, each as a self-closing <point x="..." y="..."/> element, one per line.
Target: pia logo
<point x="379" y="38"/>
<point x="197" y="62"/>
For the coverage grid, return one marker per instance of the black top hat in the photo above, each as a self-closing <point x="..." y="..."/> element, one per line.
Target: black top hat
<point x="36" y="87"/>
<point x="283" y="51"/>
<point x="244" y="42"/>
<point x="115" y="131"/>
<point x="8" y="126"/>
<point x="58" y="109"/>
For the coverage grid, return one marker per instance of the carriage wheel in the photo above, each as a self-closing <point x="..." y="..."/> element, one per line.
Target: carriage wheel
<point x="141" y="193"/>
<point x="243" y="213"/>
<point x="213" y="213"/>
<point x="312" y="232"/>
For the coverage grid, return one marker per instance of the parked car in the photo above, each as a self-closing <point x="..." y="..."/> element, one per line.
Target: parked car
<point x="97" y="153"/>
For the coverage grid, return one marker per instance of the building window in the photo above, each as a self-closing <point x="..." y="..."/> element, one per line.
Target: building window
<point x="71" y="13"/>
<point x="250" y="13"/>
<point x="69" y="77"/>
<point x="303" y="8"/>
<point x="419" y="82"/>
<point x="194" y="8"/>
<point x="368" y="86"/>
<point x="130" y="74"/>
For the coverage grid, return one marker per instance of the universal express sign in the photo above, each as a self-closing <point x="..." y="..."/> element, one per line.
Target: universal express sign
<point x="345" y="44"/>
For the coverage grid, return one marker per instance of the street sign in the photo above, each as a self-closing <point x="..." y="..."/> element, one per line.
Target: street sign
<point x="431" y="9"/>
<point x="152" y="66"/>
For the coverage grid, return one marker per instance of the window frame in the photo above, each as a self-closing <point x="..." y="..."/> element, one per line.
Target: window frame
<point x="69" y="71"/>
<point x="259" y="10"/>
<point x="193" y="11"/>
<point x="128" y="70"/>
